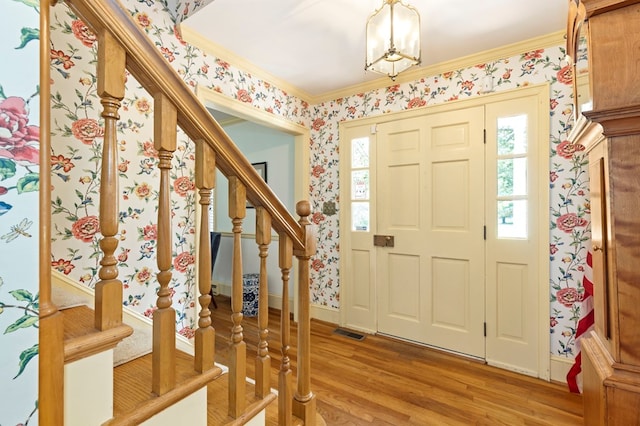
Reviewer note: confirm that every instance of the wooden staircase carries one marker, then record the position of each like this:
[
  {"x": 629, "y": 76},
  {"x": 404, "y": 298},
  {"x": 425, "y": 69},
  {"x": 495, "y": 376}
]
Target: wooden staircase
[{"x": 150, "y": 386}]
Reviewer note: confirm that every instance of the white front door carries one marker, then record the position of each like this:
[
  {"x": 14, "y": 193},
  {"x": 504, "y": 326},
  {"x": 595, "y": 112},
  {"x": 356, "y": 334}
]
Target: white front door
[
  {"x": 430, "y": 202},
  {"x": 440, "y": 181}
]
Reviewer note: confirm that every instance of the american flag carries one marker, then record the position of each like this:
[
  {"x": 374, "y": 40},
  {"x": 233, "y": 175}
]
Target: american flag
[{"x": 584, "y": 325}]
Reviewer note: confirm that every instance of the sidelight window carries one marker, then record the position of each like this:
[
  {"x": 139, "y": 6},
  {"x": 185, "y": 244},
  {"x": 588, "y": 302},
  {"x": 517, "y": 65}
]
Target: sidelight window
[
  {"x": 360, "y": 185},
  {"x": 512, "y": 196}
]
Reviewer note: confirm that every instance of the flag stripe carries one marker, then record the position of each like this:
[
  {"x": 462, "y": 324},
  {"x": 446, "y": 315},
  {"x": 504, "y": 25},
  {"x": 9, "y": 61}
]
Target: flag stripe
[{"x": 585, "y": 323}]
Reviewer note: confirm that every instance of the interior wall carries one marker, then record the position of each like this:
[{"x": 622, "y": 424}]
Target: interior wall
[
  {"x": 19, "y": 213},
  {"x": 259, "y": 144}
]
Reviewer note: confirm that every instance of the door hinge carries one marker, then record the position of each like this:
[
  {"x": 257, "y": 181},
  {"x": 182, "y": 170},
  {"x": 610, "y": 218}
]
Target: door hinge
[
  {"x": 485, "y": 329},
  {"x": 485, "y": 232},
  {"x": 485, "y": 136}
]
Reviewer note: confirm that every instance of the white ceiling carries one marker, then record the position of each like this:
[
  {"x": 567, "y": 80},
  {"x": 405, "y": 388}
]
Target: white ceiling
[{"x": 318, "y": 45}]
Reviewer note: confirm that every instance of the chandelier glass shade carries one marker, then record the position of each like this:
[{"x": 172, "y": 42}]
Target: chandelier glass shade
[{"x": 393, "y": 39}]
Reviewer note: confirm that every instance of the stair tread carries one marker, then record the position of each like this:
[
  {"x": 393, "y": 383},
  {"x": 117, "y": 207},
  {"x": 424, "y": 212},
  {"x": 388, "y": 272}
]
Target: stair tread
[
  {"x": 82, "y": 339},
  {"x": 78, "y": 321},
  {"x": 218, "y": 397},
  {"x": 133, "y": 399}
]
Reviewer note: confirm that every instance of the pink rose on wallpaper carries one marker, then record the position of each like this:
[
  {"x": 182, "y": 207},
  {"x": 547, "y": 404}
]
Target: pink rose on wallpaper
[
  {"x": 243, "y": 96},
  {"x": 62, "y": 265},
  {"x": 534, "y": 54},
  {"x": 182, "y": 185},
  {"x": 149, "y": 150},
  {"x": 317, "y": 218},
  {"x": 86, "y": 130},
  {"x": 317, "y": 265},
  {"x": 416, "y": 102},
  {"x": 568, "y": 221},
  {"x": 467, "y": 85},
  {"x": 149, "y": 312},
  {"x": 566, "y": 149},
  {"x": 150, "y": 232},
  {"x": 317, "y": 124},
  {"x": 317, "y": 171},
  {"x": 565, "y": 75},
  {"x": 187, "y": 332},
  {"x": 18, "y": 140},
  {"x": 182, "y": 261},
  {"x": 83, "y": 33},
  {"x": 85, "y": 228},
  {"x": 568, "y": 296}
]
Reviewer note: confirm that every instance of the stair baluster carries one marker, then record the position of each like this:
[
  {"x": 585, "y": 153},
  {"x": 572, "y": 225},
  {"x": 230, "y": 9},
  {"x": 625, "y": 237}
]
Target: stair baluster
[
  {"x": 263, "y": 360},
  {"x": 304, "y": 402},
  {"x": 205, "y": 182},
  {"x": 238, "y": 353},
  {"x": 164, "y": 318},
  {"x": 111, "y": 79},
  {"x": 285, "y": 376}
]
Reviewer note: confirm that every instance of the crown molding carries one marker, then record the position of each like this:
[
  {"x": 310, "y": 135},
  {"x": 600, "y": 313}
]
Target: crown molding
[
  {"x": 196, "y": 39},
  {"x": 506, "y": 51}
]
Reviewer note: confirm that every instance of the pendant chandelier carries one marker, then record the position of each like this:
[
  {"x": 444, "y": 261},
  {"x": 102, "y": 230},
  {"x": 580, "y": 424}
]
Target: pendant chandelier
[{"x": 393, "y": 39}]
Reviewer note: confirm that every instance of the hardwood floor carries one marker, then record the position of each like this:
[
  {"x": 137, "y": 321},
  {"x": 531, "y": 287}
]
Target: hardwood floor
[{"x": 382, "y": 381}]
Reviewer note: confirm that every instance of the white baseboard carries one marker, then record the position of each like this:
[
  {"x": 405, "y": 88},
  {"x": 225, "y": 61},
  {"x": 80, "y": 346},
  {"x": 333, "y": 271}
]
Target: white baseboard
[
  {"x": 325, "y": 314},
  {"x": 129, "y": 316},
  {"x": 559, "y": 369}
]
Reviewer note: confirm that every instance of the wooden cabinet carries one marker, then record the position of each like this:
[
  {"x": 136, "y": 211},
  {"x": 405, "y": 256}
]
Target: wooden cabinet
[{"x": 611, "y": 133}]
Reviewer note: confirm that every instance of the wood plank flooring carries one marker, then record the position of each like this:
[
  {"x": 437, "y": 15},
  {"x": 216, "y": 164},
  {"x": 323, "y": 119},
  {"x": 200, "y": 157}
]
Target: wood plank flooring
[{"x": 383, "y": 381}]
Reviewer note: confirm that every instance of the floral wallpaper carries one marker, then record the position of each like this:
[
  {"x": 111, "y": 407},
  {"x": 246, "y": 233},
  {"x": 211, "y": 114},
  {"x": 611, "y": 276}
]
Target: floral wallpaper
[
  {"x": 181, "y": 9},
  {"x": 19, "y": 184},
  {"x": 78, "y": 132}
]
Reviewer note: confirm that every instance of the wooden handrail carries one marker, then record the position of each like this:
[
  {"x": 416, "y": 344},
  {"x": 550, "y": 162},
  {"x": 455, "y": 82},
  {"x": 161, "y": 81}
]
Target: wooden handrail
[{"x": 152, "y": 71}]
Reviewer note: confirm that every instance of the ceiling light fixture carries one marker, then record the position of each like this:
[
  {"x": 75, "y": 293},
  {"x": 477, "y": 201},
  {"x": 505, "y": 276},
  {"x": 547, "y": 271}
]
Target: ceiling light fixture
[{"x": 393, "y": 38}]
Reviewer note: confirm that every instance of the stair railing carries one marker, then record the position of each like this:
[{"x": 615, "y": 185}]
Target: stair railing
[{"x": 123, "y": 46}]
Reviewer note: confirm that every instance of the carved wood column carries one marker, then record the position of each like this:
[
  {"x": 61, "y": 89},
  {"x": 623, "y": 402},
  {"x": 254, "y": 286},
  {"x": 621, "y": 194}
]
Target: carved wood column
[
  {"x": 285, "y": 383},
  {"x": 111, "y": 86},
  {"x": 238, "y": 355},
  {"x": 263, "y": 360},
  {"x": 164, "y": 318},
  {"x": 304, "y": 403},
  {"x": 205, "y": 182}
]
